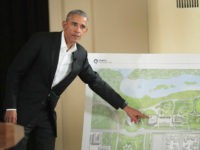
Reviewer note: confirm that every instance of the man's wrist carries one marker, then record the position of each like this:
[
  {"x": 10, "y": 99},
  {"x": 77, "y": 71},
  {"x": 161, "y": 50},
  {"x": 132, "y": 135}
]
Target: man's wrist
[
  {"x": 10, "y": 109},
  {"x": 124, "y": 105}
]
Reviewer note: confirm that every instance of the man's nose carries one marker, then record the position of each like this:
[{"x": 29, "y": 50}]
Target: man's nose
[{"x": 78, "y": 28}]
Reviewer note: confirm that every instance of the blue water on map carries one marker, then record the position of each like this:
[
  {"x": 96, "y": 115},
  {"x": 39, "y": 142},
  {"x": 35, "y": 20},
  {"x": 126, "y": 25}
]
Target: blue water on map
[{"x": 156, "y": 88}]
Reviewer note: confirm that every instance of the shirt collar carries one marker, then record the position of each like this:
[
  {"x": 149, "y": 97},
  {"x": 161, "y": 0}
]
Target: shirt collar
[{"x": 64, "y": 45}]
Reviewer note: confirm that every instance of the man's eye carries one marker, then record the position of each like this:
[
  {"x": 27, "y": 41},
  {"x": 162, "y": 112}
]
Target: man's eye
[
  {"x": 74, "y": 24},
  {"x": 83, "y": 27}
]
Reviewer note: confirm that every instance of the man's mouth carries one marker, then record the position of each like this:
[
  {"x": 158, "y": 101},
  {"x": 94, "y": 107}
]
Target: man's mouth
[{"x": 76, "y": 36}]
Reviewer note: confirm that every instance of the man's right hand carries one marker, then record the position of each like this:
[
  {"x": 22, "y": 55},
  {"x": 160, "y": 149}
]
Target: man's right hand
[{"x": 10, "y": 116}]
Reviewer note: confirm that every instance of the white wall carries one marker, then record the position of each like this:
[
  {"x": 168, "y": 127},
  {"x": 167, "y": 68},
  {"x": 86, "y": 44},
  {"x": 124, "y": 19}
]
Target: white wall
[
  {"x": 172, "y": 29},
  {"x": 120, "y": 26}
]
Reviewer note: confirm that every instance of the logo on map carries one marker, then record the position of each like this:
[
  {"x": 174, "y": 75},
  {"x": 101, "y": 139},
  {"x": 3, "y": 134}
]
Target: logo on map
[{"x": 100, "y": 61}]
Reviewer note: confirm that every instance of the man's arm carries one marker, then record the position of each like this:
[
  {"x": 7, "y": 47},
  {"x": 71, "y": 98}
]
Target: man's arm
[
  {"x": 18, "y": 69},
  {"x": 104, "y": 90},
  {"x": 15, "y": 74}
]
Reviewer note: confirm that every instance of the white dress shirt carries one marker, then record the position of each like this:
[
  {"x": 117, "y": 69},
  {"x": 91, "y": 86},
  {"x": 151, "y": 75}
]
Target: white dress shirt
[{"x": 64, "y": 62}]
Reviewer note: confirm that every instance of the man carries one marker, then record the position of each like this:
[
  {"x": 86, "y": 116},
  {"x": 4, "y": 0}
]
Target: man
[{"x": 42, "y": 70}]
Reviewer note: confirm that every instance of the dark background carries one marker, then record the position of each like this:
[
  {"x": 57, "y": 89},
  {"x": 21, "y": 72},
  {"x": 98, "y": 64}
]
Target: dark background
[{"x": 19, "y": 19}]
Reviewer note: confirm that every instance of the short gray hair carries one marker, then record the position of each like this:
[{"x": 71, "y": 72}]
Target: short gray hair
[{"x": 77, "y": 12}]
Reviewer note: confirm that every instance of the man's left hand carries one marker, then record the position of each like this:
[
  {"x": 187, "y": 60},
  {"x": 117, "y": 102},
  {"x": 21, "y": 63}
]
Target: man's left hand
[{"x": 134, "y": 114}]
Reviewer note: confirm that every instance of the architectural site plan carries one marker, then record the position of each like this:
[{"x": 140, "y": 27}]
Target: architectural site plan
[{"x": 165, "y": 87}]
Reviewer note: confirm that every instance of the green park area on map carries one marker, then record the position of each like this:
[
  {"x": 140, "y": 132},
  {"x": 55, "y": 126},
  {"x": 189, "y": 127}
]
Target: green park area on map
[{"x": 170, "y": 97}]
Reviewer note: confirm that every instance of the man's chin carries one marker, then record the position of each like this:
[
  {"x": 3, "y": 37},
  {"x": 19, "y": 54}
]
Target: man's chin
[{"x": 76, "y": 40}]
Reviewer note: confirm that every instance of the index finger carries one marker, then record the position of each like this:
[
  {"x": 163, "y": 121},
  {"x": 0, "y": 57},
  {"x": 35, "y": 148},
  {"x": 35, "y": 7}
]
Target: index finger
[{"x": 144, "y": 116}]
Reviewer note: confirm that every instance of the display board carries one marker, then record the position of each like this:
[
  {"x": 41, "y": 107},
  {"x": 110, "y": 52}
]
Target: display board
[{"x": 166, "y": 87}]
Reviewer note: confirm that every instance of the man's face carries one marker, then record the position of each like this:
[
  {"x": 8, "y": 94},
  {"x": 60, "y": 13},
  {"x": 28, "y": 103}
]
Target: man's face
[{"x": 74, "y": 28}]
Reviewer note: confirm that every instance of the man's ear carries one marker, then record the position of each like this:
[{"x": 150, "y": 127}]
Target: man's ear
[{"x": 64, "y": 23}]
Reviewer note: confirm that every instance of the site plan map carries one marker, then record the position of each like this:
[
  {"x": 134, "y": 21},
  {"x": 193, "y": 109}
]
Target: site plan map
[{"x": 166, "y": 87}]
